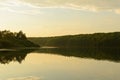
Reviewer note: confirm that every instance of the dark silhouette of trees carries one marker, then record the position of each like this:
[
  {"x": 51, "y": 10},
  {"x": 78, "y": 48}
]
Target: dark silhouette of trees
[
  {"x": 82, "y": 40},
  {"x": 8, "y": 34},
  {"x": 13, "y": 39},
  {"x": 21, "y": 35}
]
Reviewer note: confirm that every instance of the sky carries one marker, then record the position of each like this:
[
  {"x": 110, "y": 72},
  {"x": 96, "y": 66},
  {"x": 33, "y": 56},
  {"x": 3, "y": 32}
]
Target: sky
[{"x": 41, "y": 18}]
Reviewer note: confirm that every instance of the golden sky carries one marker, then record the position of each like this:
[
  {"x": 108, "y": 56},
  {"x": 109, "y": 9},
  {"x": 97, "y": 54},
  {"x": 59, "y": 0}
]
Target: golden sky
[{"x": 59, "y": 17}]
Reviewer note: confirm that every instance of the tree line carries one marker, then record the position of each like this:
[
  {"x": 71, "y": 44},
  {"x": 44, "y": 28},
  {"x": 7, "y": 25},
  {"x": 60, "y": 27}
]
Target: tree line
[
  {"x": 108, "y": 40},
  {"x": 10, "y": 39},
  {"x": 6, "y": 34}
]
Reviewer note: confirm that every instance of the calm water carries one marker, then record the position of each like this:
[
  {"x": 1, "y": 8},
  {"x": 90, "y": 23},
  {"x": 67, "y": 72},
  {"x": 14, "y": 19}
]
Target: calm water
[{"x": 60, "y": 64}]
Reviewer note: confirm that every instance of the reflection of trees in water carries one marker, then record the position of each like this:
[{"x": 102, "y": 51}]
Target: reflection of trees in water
[
  {"x": 109, "y": 54},
  {"x": 7, "y": 56}
]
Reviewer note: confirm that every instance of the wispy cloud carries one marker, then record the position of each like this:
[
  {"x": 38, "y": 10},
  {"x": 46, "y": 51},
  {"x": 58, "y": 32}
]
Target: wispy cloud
[
  {"x": 33, "y": 6},
  {"x": 25, "y": 78},
  {"x": 92, "y": 5},
  {"x": 17, "y": 6}
]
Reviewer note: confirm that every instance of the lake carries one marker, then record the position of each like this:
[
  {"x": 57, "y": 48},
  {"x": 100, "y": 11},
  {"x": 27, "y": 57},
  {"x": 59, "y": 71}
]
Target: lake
[{"x": 60, "y": 64}]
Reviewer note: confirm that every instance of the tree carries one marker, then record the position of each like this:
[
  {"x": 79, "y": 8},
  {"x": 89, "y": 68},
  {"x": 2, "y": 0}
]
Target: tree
[{"x": 21, "y": 35}]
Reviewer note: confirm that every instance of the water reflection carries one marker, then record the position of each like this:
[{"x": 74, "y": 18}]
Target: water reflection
[
  {"x": 94, "y": 53},
  {"x": 19, "y": 55},
  {"x": 109, "y": 54},
  {"x": 25, "y": 78}
]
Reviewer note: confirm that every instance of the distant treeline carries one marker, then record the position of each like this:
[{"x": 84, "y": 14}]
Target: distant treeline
[
  {"x": 83, "y": 40},
  {"x": 14, "y": 39}
]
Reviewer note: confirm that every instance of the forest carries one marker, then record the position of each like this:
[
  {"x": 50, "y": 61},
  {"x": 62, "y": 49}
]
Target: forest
[
  {"x": 97, "y": 40},
  {"x": 14, "y": 40}
]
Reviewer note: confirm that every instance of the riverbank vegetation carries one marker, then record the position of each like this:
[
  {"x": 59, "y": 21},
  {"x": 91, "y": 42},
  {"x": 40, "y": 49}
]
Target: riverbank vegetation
[
  {"x": 14, "y": 39},
  {"x": 107, "y": 40}
]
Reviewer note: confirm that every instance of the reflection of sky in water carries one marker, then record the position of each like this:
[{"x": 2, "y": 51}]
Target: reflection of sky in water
[
  {"x": 55, "y": 67},
  {"x": 25, "y": 78}
]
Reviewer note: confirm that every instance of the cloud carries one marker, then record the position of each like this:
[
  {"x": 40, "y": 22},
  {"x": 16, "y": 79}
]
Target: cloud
[
  {"x": 17, "y": 6},
  {"x": 92, "y": 5},
  {"x": 34, "y": 6},
  {"x": 25, "y": 78}
]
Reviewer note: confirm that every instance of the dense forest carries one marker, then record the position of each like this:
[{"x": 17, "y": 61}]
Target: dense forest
[
  {"x": 14, "y": 39},
  {"x": 108, "y": 40}
]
